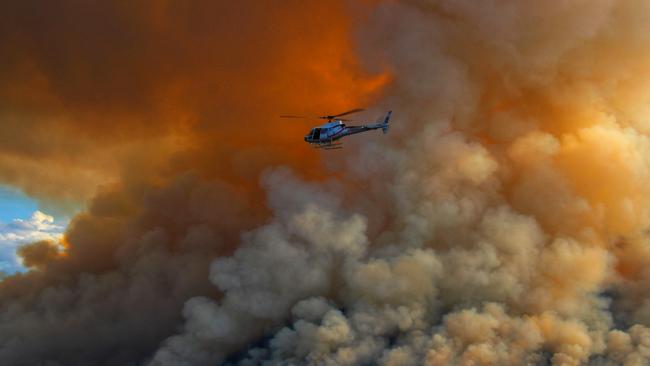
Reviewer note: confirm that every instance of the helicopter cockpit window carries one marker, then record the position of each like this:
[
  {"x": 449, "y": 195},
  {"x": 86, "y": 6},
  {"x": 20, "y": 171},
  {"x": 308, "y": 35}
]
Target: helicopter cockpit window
[{"x": 316, "y": 134}]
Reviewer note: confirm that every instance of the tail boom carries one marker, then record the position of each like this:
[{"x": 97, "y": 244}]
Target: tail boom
[{"x": 380, "y": 124}]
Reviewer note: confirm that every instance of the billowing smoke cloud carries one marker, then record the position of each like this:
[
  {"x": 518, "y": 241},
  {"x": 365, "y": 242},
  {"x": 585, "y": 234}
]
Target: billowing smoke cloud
[{"x": 503, "y": 221}]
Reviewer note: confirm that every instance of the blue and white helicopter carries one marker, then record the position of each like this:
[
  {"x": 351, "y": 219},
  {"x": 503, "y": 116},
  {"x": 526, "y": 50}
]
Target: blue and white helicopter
[{"x": 327, "y": 135}]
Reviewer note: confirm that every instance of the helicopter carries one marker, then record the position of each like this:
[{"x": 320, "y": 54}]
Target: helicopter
[{"x": 326, "y": 136}]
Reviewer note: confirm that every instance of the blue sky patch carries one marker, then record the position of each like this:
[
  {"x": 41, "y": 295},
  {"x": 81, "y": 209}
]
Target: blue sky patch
[
  {"x": 15, "y": 205},
  {"x": 20, "y": 223}
]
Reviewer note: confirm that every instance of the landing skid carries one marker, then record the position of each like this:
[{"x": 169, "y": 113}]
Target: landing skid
[{"x": 329, "y": 146}]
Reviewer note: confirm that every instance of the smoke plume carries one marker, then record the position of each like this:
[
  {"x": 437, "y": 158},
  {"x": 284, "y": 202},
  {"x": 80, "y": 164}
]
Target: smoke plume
[{"x": 502, "y": 221}]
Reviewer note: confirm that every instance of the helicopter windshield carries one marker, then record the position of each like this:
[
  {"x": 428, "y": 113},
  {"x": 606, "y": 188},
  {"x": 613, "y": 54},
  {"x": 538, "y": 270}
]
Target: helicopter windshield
[{"x": 315, "y": 134}]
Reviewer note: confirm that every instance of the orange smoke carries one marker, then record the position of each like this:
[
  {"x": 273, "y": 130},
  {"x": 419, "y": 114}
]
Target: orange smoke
[{"x": 140, "y": 92}]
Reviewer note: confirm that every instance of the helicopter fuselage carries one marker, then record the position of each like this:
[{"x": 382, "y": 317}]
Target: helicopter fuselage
[
  {"x": 334, "y": 130},
  {"x": 330, "y": 131}
]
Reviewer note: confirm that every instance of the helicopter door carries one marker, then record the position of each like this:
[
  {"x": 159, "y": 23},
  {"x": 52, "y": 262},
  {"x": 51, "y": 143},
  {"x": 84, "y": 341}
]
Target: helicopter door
[{"x": 316, "y": 135}]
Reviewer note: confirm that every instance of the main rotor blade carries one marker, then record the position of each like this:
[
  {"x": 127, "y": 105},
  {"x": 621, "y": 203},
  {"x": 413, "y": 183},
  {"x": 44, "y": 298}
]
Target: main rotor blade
[
  {"x": 325, "y": 117},
  {"x": 332, "y": 118},
  {"x": 349, "y": 112}
]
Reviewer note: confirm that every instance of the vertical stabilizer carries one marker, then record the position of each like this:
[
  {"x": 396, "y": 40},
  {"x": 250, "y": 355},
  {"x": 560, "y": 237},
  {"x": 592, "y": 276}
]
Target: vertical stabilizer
[{"x": 385, "y": 125}]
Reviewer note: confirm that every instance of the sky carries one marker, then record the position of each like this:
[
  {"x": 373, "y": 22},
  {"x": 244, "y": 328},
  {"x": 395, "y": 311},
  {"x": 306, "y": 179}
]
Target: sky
[
  {"x": 168, "y": 216},
  {"x": 22, "y": 223},
  {"x": 15, "y": 204}
]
